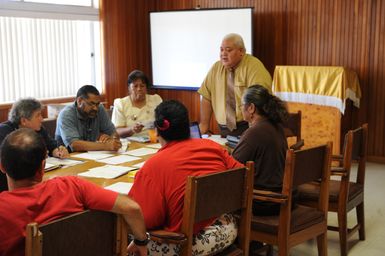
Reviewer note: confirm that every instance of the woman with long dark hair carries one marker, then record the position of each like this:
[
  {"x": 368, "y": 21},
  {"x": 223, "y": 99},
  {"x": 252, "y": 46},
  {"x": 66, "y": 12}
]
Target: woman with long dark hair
[{"x": 264, "y": 142}]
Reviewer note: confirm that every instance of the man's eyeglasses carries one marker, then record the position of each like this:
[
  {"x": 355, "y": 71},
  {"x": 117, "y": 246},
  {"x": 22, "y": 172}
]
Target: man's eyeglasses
[{"x": 91, "y": 104}]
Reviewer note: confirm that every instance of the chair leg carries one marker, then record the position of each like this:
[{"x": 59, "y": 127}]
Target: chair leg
[
  {"x": 322, "y": 244},
  {"x": 361, "y": 220},
  {"x": 283, "y": 249},
  {"x": 343, "y": 232}
]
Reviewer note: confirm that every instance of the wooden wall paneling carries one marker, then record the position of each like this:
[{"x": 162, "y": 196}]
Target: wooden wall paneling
[
  {"x": 286, "y": 32},
  {"x": 125, "y": 30},
  {"x": 339, "y": 23},
  {"x": 204, "y": 4},
  {"x": 174, "y": 5},
  {"x": 114, "y": 28},
  {"x": 268, "y": 44},
  {"x": 376, "y": 93}
]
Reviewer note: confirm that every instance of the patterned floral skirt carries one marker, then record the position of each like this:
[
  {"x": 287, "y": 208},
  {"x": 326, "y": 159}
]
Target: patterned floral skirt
[{"x": 212, "y": 239}]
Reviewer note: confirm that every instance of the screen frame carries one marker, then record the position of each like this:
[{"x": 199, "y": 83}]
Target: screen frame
[{"x": 195, "y": 125}]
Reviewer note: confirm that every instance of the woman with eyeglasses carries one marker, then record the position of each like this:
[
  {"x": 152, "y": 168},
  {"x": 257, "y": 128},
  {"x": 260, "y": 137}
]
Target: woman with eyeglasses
[{"x": 135, "y": 113}]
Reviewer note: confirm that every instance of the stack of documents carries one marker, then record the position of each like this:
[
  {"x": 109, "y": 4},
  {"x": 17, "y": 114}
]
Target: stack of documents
[
  {"x": 53, "y": 163},
  {"x": 141, "y": 152},
  {"x": 120, "y": 187},
  {"x": 107, "y": 171},
  {"x": 141, "y": 139},
  {"x": 118, "y": 159},
  {"x": 50, "y": 167},
  {"x": 139, "y": 165},
  {"x": 93, "y": 155}
]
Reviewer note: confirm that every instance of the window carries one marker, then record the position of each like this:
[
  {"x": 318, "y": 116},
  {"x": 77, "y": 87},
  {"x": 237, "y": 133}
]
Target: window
[{"x": 48, "y": 50}]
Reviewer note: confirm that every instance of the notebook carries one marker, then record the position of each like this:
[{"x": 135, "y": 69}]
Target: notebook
[{"x": 195, "y": 132}]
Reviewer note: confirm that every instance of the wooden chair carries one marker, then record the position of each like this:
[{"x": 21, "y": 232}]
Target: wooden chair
[
  {"x": 84, "y": 233},
  {"x": 293, "y": 129},
  {"x": 50, "y": 126},
  {"x": 296, "y": 225},
  {"x": 344, "y": 194},
  {"x": 212, "y": 195}
]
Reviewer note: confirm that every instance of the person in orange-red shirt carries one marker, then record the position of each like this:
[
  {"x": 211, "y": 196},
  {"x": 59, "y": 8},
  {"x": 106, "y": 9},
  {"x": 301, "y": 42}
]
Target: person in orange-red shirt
[
  {"x": 159, "y": 186},
  {"x": 29, "y": 199}
]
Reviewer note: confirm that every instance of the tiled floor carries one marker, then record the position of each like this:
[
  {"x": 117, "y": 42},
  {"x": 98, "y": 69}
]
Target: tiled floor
[{"x": 374, "y": 245}]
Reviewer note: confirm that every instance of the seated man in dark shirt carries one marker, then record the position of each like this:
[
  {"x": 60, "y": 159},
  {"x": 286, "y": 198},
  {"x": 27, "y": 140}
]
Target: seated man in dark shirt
[{"x": 26, "y": 113}]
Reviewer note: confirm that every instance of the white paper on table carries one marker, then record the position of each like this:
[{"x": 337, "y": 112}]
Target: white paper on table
[
  {"x": 59, "y": 161},
  {"x": 93, "y": 155},
  {"x": 118, "y": 159},
  {"x": 107, "y": 171},
  {"x": 125, "y": 144},
  {"x": 141, "y": 139},
  {"x": 120, "y": 187},
  {"x": 218, "y": 139},
  {"x": 120, "y": 151},
  {"x": 157, "y": 146},
  {"x": 141, "y": 151},
  {"x": 48, "y": 165},
  {"x": 138, "y": 165}
]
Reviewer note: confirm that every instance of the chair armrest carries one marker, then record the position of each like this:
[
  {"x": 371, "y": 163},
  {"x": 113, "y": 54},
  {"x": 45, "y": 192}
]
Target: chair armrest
[
  {"x": 337, "y": 160},
  {"x": 337, "y": 157},
  {"x": 269, "y": 196},
  {"x": 298, "y": 145},
  {"x": 164, "y": 236},
  {"x": 338, "y": 171}
]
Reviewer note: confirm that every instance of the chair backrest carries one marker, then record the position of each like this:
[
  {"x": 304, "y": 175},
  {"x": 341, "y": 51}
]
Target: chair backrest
[
  {"x": 307, "y": 165},
  {"x": 50, "y": 125},
  {"x": 293, "y": 125},
  {"x": 355, "y": 149},
  {"x": 215, "y": 194},
  {"x": 292, "y": 128},
  {"x": 83, "y": 233}
]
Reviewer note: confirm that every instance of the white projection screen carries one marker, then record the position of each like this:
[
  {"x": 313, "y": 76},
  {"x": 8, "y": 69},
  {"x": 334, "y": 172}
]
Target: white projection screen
[{"x": 185, "y": 44}]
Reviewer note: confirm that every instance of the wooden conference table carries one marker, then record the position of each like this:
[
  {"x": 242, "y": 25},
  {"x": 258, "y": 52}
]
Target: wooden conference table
[{"x": 87, "y": 164}]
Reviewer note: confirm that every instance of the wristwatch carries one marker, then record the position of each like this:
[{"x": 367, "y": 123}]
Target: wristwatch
[{"x": 144, "y": 241}]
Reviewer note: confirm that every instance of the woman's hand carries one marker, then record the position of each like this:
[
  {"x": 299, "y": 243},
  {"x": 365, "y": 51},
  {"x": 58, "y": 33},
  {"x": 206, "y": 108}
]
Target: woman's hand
[{"x": 138, "y": 127}]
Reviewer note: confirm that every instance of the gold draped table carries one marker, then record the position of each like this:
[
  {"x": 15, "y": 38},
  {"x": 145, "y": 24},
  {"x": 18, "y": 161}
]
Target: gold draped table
[{"x": 320, "y": 92}]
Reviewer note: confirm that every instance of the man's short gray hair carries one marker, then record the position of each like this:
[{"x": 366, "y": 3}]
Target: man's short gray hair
[
  {"x": 237, "y": 39},
  {"x": 23, "y": 108}
]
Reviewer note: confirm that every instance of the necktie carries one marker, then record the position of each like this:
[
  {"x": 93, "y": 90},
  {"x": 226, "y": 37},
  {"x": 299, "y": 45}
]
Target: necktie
[{"x": 230, "y": 102}]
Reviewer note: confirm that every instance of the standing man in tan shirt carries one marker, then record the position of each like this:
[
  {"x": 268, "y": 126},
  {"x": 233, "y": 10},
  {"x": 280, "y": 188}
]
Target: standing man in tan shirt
[{"x": 225, "y": 83}]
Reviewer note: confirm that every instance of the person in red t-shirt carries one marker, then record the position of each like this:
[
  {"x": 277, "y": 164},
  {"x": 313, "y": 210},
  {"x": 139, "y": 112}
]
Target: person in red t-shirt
[
  {"x": 159, "y": 186},
  {"x": 29, "y": 199}
]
